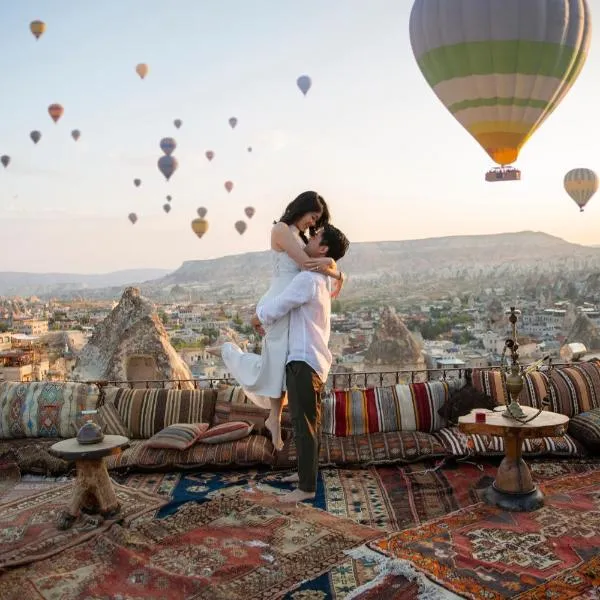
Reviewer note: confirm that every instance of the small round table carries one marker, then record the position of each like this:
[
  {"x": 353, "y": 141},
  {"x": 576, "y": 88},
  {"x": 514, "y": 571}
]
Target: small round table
[
  {"x": 513, "y": 488},
  {"x": 93, "y": 492}
]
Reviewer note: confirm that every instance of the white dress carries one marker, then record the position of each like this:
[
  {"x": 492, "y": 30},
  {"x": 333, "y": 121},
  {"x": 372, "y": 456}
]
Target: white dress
[{"x": 263, "y": 375}]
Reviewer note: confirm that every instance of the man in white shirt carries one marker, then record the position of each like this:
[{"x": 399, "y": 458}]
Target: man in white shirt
[{"x": 307, "y": 298}]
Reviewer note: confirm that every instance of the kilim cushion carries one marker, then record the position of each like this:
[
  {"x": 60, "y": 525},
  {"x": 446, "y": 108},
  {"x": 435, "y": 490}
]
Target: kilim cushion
[
  {"x": 585, "y": 427},
  {"x": 252, "y": 450},
  {"x": 575, "y": 389},
  {"x": 233, "y": 406},
  {"x": 178, "y": 436},
  {"x": 109, "y": 419},
  {"x": 372, "y": 449},
  {"x": 226, "y": 432},
  {"x": 146, "y": 412},
  {"x": 458, "y": 443},
  {"x": 44, "y": 409},
  {"x": 402, "y": 407}
]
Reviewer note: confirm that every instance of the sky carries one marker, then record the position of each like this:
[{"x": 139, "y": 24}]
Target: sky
[{"x": 370, "y": 136}]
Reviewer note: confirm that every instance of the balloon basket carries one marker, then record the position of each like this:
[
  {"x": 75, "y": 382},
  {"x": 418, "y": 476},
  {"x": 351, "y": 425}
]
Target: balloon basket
[{"x": 503, "y": 174}]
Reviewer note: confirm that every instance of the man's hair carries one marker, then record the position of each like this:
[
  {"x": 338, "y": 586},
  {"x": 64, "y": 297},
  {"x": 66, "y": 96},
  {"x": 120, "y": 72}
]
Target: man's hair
[{"x": 336, "y": 242}]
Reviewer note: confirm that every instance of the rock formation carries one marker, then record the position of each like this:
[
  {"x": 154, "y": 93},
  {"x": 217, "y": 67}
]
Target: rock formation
[
  {"x": 585, "y": 332},
  {"x": 393, "y": 345},
  {"x": 131, "y": 344}
]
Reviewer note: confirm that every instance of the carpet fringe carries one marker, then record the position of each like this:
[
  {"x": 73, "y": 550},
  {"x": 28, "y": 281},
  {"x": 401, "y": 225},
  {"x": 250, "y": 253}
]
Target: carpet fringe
[{"x": 428, "y": 590}]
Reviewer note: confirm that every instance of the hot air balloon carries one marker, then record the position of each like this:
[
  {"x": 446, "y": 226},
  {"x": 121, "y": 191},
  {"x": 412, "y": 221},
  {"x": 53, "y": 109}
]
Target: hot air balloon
[
  {"x": 202, "y": 212},
  {"x": 142, "y": 70},
  {"x": 209, "y": 154},
  {"x": 581, "y": 185},
  {"x": 36, "y": 136},
  {"x": 132, "y": 217},
  {"x": 56, "y": 112},
  {"x": 233, "y": 122},
  {"x": 304, "y": 82},
  {"x": 5, "y": 160},
  {"x": 499, "y": 67},
  {"x": 169, "y": 198},
  {"x": 249, "y": 148},
  {"x": 37, "y": 28},
  {"x": 178, "y": 123},
  {"x": 167, "y": 165},
  {"x": 75, "y": 134},
  {"x": 167, "y": 208},
  {"x": 137, "y": 182},
  {"x": 168, "y": 145},
  {"x": 229, "y": 185},
  {"x": 240, "y": 226},
  {"x": 249, "y": 210},
  {"x": 200, "y": 226}
]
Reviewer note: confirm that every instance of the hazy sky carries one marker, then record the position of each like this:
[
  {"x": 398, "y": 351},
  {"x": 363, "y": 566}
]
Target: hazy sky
[{"x": 370, "y": 136}]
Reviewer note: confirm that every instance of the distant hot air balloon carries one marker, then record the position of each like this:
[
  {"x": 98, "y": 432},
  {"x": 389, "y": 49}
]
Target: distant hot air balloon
[
  {"x": 200, "y": 226},
  {"x": 5, "y": 160},
  {"x": 229, "y": 185},
  {"x": 37, "y": 28},
  {"x": 240, "y": 226},
  {"x": 581, "y": 185},
  {"x": 75, "y": 134},
  {"x": 169, "y": 198},
  {"x": 142, "y": 70},
  {"x": 167, "y": 165},
  {"x": 249, "y": 148},
  {"x": 137, "y": 182},
  {"x": 233, "y": 122},
  {"x": 168, "y": 145},
  {"x": 249, "y": 210},
  {"x": 209, "y": 154},
  {"x": 56, "y": 112},
  {"x": 202, "y": 212},
  {"x": 304, "y": 82},
  {"x": 132, "y": 217},
  {"x": 36, "y": 136},
  {"x": 167, "y": 208},
  {"x": 499, "y": 67},
  {"x": 178, "y": 123}
]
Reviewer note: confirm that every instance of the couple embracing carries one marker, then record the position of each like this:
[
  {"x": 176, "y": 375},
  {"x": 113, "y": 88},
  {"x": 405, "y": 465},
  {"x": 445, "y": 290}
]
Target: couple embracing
[{"x": 294, "y": 317}]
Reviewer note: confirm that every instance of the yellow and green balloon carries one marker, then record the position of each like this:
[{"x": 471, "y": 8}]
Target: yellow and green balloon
[{"x": 581, "y": 185}]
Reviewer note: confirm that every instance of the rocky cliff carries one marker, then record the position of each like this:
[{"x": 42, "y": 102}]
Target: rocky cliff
[
  {"x": 131, "y": 344},
  {"x": 585, "y": 332}
]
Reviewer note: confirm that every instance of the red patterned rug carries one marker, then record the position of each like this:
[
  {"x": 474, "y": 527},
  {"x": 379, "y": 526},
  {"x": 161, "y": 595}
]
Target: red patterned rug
[
  {"x": 246, "y": 545},
  {"x": 28, "y": 529},
  {"x": 485, "y": 552}
]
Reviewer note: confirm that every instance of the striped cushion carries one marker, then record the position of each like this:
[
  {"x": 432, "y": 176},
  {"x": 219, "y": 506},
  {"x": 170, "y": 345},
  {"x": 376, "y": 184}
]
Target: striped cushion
[
  {"x": 462, "y": 444},
  {"x": 402, "y": 407},
  {"x": 179, "y": 436},
  {"x": 109, "y": 419},
  {"x": 227, "y": 432},
  {"x": 575, "y": 389},
  {"x": 585, "y": 427},
  {"x": 44, "y": 409},
  {"x": 146, "y": 412},
  {"x": 233, "y": 406}
]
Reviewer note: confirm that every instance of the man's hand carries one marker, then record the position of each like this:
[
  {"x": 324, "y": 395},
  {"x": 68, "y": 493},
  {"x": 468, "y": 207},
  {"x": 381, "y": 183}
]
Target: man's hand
[{"x": 257, "y": 325}]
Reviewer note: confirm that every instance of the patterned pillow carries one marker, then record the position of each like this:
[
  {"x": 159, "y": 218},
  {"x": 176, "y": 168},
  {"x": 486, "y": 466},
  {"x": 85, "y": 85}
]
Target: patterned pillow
[
  {"x": 402, "y": 407},
  {"x": 179, "y": 436},
  {"x": 585, "y": 427},
  {"x": 227, "y": 432},
  {"x": 109, "y": 419},
  {"x": 233, "y": 406}
]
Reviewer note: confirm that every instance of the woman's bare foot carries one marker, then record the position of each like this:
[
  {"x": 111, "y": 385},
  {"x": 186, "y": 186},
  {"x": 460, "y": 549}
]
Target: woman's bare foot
[
  {"x": 274, "y": 426},
  {"x": 293, "y": 478},
  {"x": 296, "y": 496}
]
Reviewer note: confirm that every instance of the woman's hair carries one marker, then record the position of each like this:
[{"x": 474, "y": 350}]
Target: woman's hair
[{"x": 304, "y": 203}]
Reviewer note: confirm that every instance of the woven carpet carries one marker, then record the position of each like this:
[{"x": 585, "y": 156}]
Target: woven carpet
[
  {"x": 485, "y": 552},
  {"x": 244, "y": 545},
  {"x": 28, "y": 530}
]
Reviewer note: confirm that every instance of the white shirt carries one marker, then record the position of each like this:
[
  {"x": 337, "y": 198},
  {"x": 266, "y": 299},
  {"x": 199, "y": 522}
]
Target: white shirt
[{"x": 308, "y": 301}]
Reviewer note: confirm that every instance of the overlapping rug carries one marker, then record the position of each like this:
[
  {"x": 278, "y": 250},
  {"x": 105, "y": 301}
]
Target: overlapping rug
[
  {"x": 485, "y": 552},
  {"x": 244, "y": 545},
  {"x": 28, "y": 525}
]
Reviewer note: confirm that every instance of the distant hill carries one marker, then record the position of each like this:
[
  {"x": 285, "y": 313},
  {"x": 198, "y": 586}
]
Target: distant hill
[
  {"x": 26, "y": 284},
  {"x": 383, "y": 270}
]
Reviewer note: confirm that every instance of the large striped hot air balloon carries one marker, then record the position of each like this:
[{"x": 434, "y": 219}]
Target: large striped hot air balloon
[
  {"x": 581, "y": 185},
  {"x": 500, "y": 66}
]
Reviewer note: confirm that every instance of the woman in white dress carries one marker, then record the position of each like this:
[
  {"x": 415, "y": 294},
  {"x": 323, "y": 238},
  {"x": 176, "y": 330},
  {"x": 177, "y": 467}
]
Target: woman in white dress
[{"x": 263, "y": 376}]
